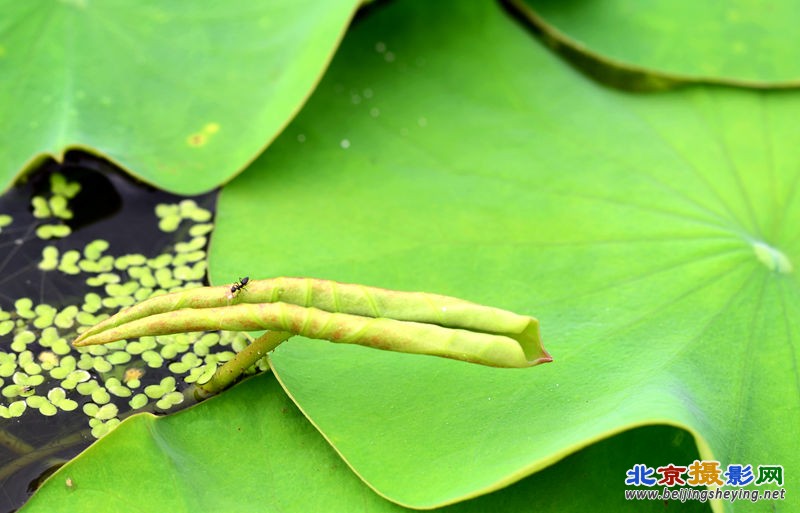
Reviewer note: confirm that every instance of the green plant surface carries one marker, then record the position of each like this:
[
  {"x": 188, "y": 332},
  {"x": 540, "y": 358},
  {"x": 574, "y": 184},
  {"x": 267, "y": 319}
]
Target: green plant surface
[
  {"x": 183, "y": 95},
  {"x": 410, "y": 322},
  {"x": 651, "y": 235},
  {"x": 191, "y": 462},
  {"x": 169, "y": 464},
  {"x": 741, "y": 42}
]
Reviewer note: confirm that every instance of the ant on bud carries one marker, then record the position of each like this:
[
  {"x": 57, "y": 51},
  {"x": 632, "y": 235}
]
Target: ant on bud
[{"x": 239, "y": 285}]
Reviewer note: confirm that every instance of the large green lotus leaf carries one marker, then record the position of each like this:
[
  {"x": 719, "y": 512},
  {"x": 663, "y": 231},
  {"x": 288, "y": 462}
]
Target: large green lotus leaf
[
  {"x": 182, "y": 94},
  {"x": 653, "y": 236},
  {"x": 215, "y": 457},
  {"x": 742, "y": 41},
  {"x": 201, "y": 460}
]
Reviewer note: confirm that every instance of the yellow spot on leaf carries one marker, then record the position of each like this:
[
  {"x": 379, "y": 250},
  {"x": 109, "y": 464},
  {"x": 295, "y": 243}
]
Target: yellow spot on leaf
[
  {"x": 196, "y": 139},
  {"x": 202, "y": 137}
]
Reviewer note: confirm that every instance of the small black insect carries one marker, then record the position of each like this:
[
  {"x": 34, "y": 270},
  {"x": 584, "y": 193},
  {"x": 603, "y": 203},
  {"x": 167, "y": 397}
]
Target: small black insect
[{"x": 239, "y": 285}]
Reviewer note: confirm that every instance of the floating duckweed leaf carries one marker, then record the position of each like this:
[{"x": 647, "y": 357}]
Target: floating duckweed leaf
[
  {"x": 48, "y": 359},
  {"x": 152, "y": 359},
  {"x": 61, "y": 347},
  {"x": 17, "y": 408},
  {"x": 49, "y": 260},
  {"x": 101, "y": 396},
  {"x": 41, "y": 209},
  {"x": 61, "y": 186},
  {"x": 48, "y": 409},
  {"x": 35, "y": 401},
  {"x": 95, "y": 249},
  {"x": 119, "y": 358},
  {"x": 23, "y": 307},
  {"x": 31, "y": 368},
  {"x": 56, "y": 395},
  {"x": 45, "y": 314},
  {"x": 12, "y": 391},
  {"x": 102, "y": 279},
  {"x": 107, "y": 411},
  {"x": 66, "y": 317},
  {"x": 138, "y": 401},
  {"x": 101, "y": 429},
  {"x": 154, "y": 391},
  {"x": 169, "y": 400},
  {"x": 160, "y": 262},
  {"x": 69, "y": 261},
  {"x": 125, "y": 261},
  {"x": 195, "y": 231},
  {"x": 21, "y": 341},
  {"x": 169, "y": 224},
  {"x": 59, "y": 208},
  {"x": 6, "y": 327},
  {"x": 53, "y": 231},
  {"x": 88, "y": 387}
]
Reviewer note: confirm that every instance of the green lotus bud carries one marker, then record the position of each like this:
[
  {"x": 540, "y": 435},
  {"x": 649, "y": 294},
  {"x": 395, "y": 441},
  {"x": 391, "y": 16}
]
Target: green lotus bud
[{"x": 413, "y": 322}]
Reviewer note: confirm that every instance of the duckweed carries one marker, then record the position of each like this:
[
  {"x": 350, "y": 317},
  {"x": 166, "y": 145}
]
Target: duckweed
[
  {"x": 103, "y": 278},
  {"x": 40, "y": 373},
  {"x": 48, "y": 359},
  {"x": 169, "y": 223},
  {"x": 24, "y": 308},
  {"x": 21, "y": 341},
  {"x": 95, "y": 249},
  {"x": 118, "y": 390},
  {"x": 6, "y": 327},
  {"x": 61, "y": 346},
  {"x": 45, "y": 314},
  {"x": 169, "y": 400},
  {"x": 138, "y": 401},
  {"x": 126, "y": 261},
  {"x": 65, "y": 319},
  {"x": 87, "y": 319},
  {"x": 160, "y": 262},
  {"x": 90, "y": 409},
  {"x": 152, "y": 359},
  {"x": 103, "y": 428},
  {"x": 59, "y": 208},
  {"x": 69, "y": 262},
  {"x": 200, "y": 229},
  {"x": 154, "y": 391},
  {"x": 17, "y": 408},
  {"x": 49, "y": 260},
  {"x": 118, "y": 358},
  {"x": 41, "y": 210},
  {"x": 87, "y": 387},
  {"x": 101, "y": 396},
  {"x": 193, "y": 245},
  {"x": 59, "y": 185}
]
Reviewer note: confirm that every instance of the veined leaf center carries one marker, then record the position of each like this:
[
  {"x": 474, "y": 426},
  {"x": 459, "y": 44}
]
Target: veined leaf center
[{"x": 773, "y": 258}]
